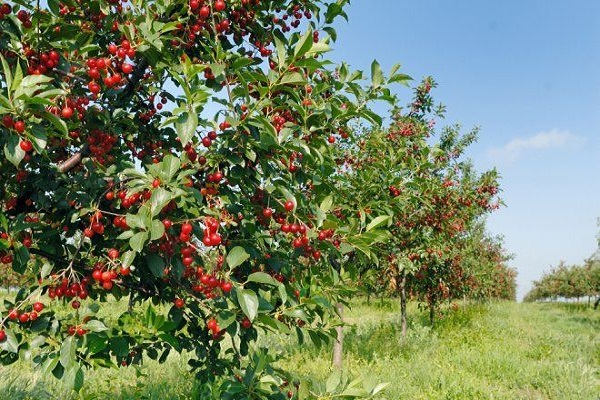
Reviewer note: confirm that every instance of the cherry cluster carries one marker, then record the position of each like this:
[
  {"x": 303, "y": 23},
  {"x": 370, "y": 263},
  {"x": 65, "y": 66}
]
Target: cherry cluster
[{"x": 25, "y": 316}]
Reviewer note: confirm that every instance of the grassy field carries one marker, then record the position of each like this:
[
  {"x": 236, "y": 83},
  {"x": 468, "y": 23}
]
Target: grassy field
[{"x": 495, "y": 351}]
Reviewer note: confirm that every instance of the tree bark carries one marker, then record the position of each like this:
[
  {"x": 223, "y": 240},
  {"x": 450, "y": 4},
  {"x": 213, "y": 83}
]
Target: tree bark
[
  {"x": 403, "y": 303},
  {"x": 338, "y": 355},
  {"x": 432, "y": 312}
]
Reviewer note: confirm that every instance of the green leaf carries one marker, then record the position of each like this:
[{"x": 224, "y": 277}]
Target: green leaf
[
  {"x": 292, "y": 78},
  {"x": 261, "y": 277},
  {"x": 169, "y": 167},
  {"x": 281, "y": 53},
  {"x": 334, "y": 380},
  {"x": 11, "y": 344},
  {"x": 158, "y": 230},
  {"x": 156, "y": 265},
  {"x": 20, "y": 259},
  {"x": 376, "y": 74},
  {"x": 58, "y": 123},
  {"x": 127, "y": 258},
  {"x": 248, "y": 302},
  {"x": 304, "y": 44},
  {"x": 236, "y": 257},
  {"x": 378, "y": 221},
  {"x": 7, "y": 73},
  {"x": 138, "y": 240},
  {"x": 95, "y": 325},
  {"x": 326, "y": 204},
  {"x": 119, "y": 346},
  {"x": 186, "y": 125},
  {"x": 158, "y": 200},
  {"x": 136, "y": 220},
  {"x": 13, "y": 151},
  {"x": 74, "y": 378},
  {"x": 67, "y": 352}
]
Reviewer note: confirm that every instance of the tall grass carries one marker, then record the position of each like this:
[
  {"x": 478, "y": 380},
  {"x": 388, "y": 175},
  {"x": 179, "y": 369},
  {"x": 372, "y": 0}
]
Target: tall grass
[{"x": 480, "y": 351}]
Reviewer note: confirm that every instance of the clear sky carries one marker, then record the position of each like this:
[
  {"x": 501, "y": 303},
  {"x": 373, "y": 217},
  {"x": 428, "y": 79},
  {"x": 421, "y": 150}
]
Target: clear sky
[{"x": 526, "y": 72}]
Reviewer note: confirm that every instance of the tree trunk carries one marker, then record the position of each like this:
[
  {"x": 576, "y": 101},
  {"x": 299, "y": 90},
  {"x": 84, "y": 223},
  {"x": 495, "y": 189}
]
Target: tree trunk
[
  {"x": 596, "y": 303},
  {"x": 403, "y": 303},
  {"x": 432, "y": 312},
  {"x": 339, "y": 341}
]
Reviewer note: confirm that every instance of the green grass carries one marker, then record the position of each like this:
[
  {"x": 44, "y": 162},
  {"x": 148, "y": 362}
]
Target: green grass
[{"x": 495, "y": 351}]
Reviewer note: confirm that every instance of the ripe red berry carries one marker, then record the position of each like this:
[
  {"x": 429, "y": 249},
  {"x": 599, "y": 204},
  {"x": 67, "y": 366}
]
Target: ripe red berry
[
  {"x": 156, "y": 183},
  {"x": 26, "y": 145},
  {"x": 38, "y": 306},
  {"x": 2, "y": 335},
  {"x": 204, "y": 12},
  {"x": 212, "y": 325},
  {"x": 226, "y": 287},
  {"x": 19, "y": 126},
  {"x": 267, "y": 213},
  {"x": 179, "y": 303},
  {"x": 289, "y": 205},
  {"x": 67, "y": 112},
  {"x": 97, "y": 275},
  {"x": 167, "y": 223},
  {"x": 219, "y": 5},
  {"x": 75, "y": 304},
  {"x": 113, "y": 253},
  {"x": 186, "y": 228},
  {"x": 127, "y": 68}
]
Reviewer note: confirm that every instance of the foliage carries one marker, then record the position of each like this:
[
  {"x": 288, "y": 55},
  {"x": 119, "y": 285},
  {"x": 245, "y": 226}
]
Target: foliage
[
  {"x": 178, "y": 154},
  {"x": 432, "y": 202},
  {"x": 567, "y": 281}
]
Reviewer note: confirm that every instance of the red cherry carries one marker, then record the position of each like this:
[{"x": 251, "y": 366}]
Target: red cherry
[
  {"x": 2, "y": 335},
  {"x": 267, "y": 212},
  {"x": 19, "y": 126},
  {"x": 125, "y": 271},
  {"x": 97, "y": 275},
  {"x": 246, "y": 323},
  {"x": 179, "y": 303},
  {"x": 212, "y": 325},
  {"x": 167, "y": 223},
  {"x": 226, "y": 287},
  {"x": 219, "y": 5},
  {"x": 26, "y": 145},
  {"x": 67, "y": 112},
  {"x": 127, "y": 68},
  {"x": 106, "y": 276},
  {"x": 38, "y": 307},
  {"x": 75, "y": 304},
  {"x": 156, "y": 183},
  {"x": 186, "y": 228},
  {"x": 113, "y": 254},
  {"x": 204, "y": 12},
  {"x": 215, "y": 239},
  {"x": 289, "y": 205}
]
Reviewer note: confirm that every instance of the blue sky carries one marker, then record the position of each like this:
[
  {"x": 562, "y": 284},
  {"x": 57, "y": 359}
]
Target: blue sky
[{"x": 527, "y": 73}]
